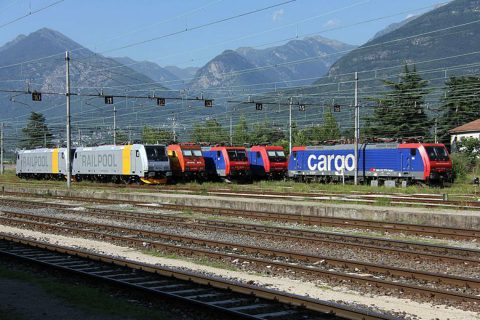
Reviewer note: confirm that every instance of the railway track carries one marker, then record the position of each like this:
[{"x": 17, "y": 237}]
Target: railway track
[
  {"x": 408, "y": 249},
  {"x": 466, "y": 202},
  {"x": 277, "y": 261},
  {"x": 222, "y": 296},
  {"x": 380, "y": 226}
]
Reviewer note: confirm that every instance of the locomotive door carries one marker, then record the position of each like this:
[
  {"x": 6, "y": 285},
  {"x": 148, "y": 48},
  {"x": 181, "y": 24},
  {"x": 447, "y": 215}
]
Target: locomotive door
[
  {"x": 134, "y": 158},
  {"x": 407, "y": 160}
]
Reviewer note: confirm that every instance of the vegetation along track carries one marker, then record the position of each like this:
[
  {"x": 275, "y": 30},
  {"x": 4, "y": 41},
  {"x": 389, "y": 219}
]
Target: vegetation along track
[
  {"x": 381, "y": 226},
  {"x": 431, "y": 286},
  {"x": 223, "y": 296}
]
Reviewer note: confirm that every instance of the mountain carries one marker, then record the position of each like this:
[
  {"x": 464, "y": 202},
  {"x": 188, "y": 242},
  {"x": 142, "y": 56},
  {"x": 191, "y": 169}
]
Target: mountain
[
  {"x": 153, "y": 71},
  {"x": 295, "y": 63},
  {"x": 39, "y": 59},
  {"x": 394, "y": 26},
  {"x": 185, "y": 74},
  {"x": 227, "y": 70},
  {"x": 444, "y": 37}
]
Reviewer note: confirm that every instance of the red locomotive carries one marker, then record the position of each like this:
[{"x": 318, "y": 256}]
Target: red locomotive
[{"x": 186, "y": 161}]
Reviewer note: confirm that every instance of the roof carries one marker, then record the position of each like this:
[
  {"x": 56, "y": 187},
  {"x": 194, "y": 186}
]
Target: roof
[{"x": 473, "y": 126}]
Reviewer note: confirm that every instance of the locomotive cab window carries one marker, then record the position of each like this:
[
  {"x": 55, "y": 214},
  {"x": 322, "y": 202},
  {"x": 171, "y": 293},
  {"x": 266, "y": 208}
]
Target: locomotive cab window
[
  {"x": 137, "y": 153},
  {"x": 75, "y": 156},
  {"x": 187, "y": 153},
  {"x": 413, "y": 152},
  {"x": 156, "y": 153},
  {"x": 295, "y": 155},
  {"x": 63, "y": 155},
  {"x": 237, "y": 155},
  {"x": 258, "y": 154},
  {"x": 197, "y": 153},
  {"x": 218, "y": 155}
]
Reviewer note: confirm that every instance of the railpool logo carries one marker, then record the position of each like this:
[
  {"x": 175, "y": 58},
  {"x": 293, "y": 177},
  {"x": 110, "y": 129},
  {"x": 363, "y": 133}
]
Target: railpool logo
[{"x": 331, "y": 162}]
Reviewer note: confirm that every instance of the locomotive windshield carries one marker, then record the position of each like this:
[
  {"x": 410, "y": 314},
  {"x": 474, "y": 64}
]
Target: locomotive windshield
[
  {"x": 276, "y": 156},
  {"x": 237, "y": 155},
  {"x": 437, "y": 153},
  {"x": 156, "y": 153},
  {"x": 190, "y": 153}
]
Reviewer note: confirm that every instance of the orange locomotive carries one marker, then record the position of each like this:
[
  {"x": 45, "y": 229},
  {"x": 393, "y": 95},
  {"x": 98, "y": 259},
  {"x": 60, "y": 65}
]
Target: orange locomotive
[{"x": 186, "y": 161}]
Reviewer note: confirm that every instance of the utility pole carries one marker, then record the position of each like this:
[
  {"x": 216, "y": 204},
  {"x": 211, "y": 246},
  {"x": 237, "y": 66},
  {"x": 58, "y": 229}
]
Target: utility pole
[
  {"x": 114, "y": 125},
  {"x": 1, "y": 148},
  {"x": 356, "y": 129},
  {"x": 173, "y": 127},
  {"x": 231, "y": 130},
  {"x": 290, "y": 126},
  {"x": 67, "y": 94}
]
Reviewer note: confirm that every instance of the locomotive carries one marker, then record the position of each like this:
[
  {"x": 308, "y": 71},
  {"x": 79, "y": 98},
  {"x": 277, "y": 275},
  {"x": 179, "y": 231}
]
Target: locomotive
[
  {"x": 267, "y": 162},
  {"x": 42, "y": 163},
  {"x": 226, "y": 163},
  {"x": 410, "y": 162},
  {"x": 186, "y": 161},
  {"x": 134, "y": 163}
]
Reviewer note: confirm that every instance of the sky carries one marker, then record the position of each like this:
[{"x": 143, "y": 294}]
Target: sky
[{"x": 192, "y": 32}]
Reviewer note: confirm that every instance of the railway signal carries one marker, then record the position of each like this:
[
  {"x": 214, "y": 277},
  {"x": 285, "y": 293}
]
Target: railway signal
[
  {"x": 36, "y": 96},
  {"x": 258, "y": 106},
  {"x": 301, "y": 107},
  {"x": 336, "y": 108},
  {"x": 208, "y": 103},
  {"x": 108, "y": 99},
  {"x": 161, "y": 102}
]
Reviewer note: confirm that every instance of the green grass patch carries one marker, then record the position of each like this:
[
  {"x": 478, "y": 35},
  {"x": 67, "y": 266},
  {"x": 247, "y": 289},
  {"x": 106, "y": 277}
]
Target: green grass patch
[
  {"x": 201, "y": 261},
  {"x": 83, "y": 296}
]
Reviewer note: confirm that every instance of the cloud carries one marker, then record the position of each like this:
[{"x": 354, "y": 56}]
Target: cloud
[
  {"x": 277, "y": 15},
  {"x": 332, "y": 23}
]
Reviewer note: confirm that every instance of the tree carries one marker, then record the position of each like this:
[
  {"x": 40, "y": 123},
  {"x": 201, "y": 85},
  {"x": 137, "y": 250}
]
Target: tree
[
  {"x": 460, "y": 105},
  {"x": 36, "y": 133},
  {"x": 240, "y": 134},
  {"x": 400, "y": 112},
  {"x": 329, "y": 130},
  {"x": 211, "y": 132},
  {"x": 265, "y": 133},
  {"x": 152, "y": 135},
  {"x": 121, "y": 137}
]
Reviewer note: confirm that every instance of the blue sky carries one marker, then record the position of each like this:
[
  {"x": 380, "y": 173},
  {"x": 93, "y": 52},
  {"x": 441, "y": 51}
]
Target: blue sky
[{"x": 107, "y": 25}]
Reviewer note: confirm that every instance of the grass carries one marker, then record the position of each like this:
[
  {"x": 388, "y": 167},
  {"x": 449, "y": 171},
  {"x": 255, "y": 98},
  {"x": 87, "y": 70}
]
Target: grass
[
  {"x": 460, "y": 187},
  {"x": 83, "y": 296},
  {"x": 200, "y": 261},
  {"x": 7, "y": 314}
]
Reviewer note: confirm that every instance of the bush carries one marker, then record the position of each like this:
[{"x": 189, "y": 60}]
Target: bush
[{"x": 461, "y": 165}]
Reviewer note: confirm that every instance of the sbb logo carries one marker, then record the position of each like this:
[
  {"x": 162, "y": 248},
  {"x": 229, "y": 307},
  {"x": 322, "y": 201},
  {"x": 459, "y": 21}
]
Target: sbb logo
[{"x": 327, "y": 162}]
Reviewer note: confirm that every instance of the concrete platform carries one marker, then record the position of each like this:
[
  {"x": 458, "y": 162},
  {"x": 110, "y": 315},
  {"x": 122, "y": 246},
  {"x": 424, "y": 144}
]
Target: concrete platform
[{"x": 468, "y": 219}]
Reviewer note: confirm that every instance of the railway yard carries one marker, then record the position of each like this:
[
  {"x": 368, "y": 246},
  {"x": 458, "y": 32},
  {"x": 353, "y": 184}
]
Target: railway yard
[{"x": 256, "y": 254}]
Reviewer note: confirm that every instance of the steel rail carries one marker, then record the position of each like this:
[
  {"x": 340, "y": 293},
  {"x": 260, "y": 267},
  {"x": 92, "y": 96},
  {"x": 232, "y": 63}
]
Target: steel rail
[
  {"x": 460, "y": 282},
  {"x": 405, "y": 228},
  {"x": 168, "y": 282},
  {"x": 432, "y": 252}
]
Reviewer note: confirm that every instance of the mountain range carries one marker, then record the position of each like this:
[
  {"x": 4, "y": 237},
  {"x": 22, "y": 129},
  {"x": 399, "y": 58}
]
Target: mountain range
[
  {"x": 444, "y": 41},
  {"x": 296, "y": 63}
]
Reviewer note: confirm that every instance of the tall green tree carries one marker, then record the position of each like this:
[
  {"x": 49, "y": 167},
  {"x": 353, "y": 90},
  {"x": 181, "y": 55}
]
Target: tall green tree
[
  {"x": 210, "y": 132},
  {"x": 400, "y": 112},
  {"x": 266, "y": 133},
  {"x": 151, "y": 135},
  {"x": 460, "y": 105},
  {"x": 36, "y": 133},
  {"x": 121, "y": 137},
  {"x": 329, "y": 130},
  {"x": 240, "y": 133}
]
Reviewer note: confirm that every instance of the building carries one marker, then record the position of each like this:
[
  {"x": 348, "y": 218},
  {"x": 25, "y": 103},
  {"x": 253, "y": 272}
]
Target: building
[{"x": 468, "y": 130}]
